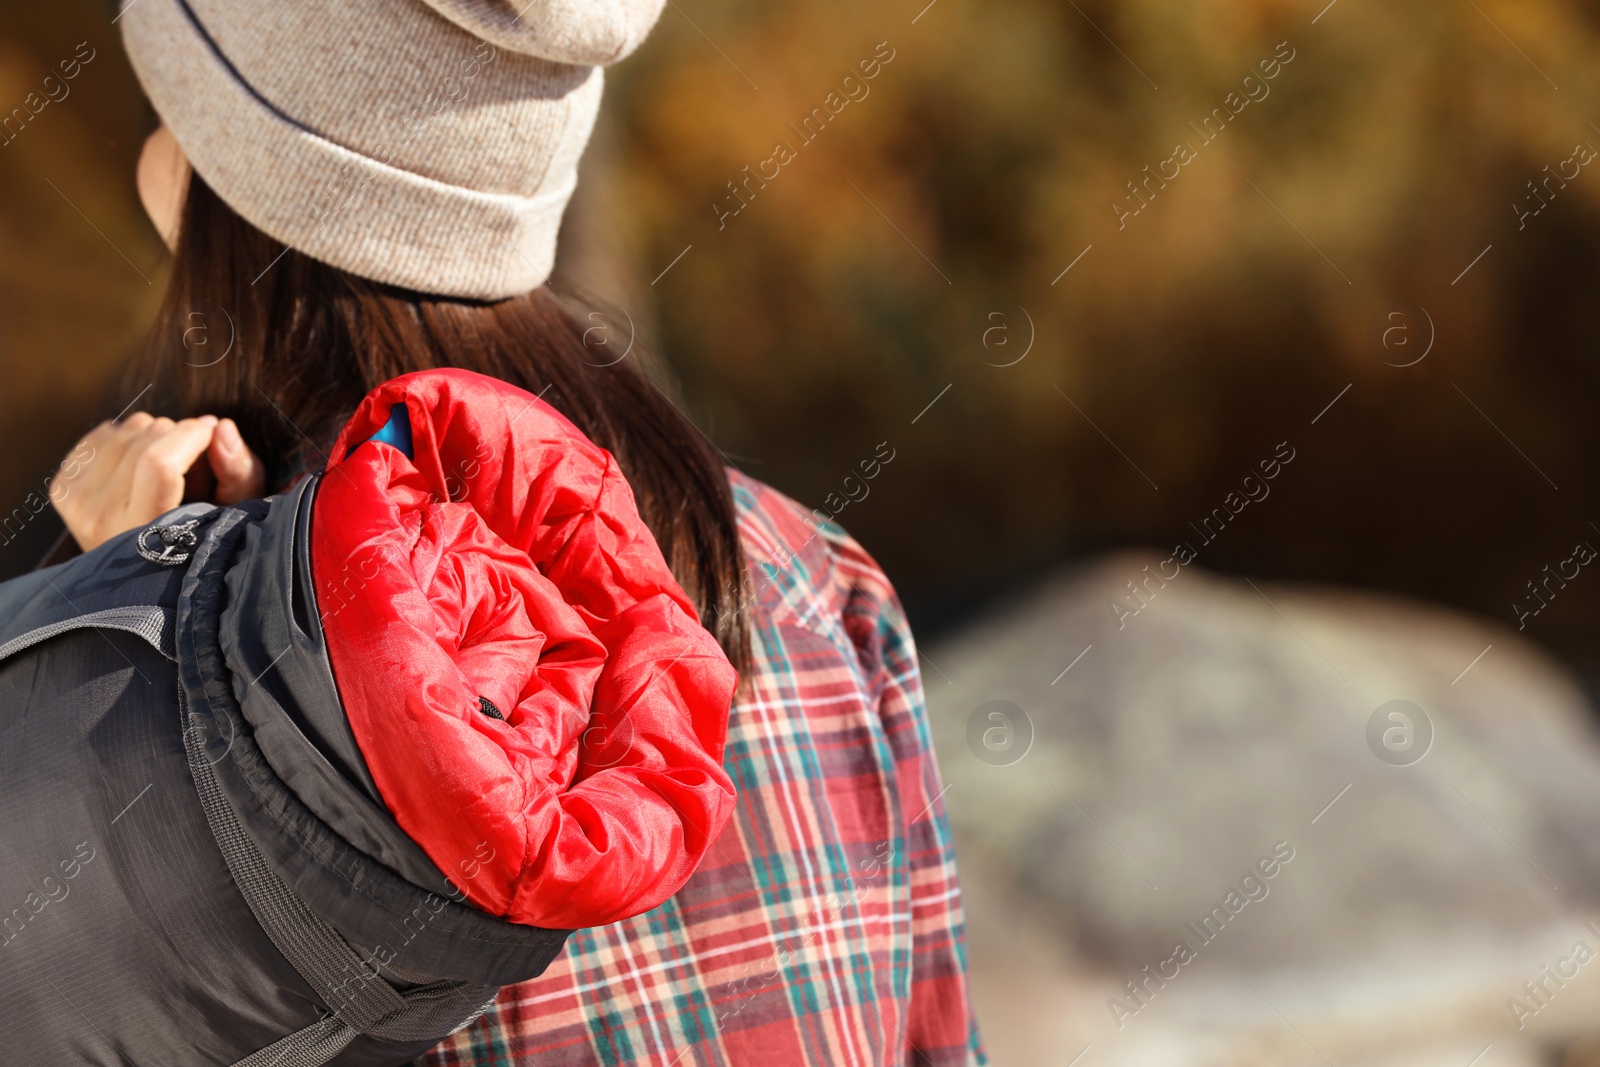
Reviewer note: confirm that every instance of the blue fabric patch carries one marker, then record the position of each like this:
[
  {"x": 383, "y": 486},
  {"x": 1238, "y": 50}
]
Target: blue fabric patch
[{"x": 396, "y": 432}]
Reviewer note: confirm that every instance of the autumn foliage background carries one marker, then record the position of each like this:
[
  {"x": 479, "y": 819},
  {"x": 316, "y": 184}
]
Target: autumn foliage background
[{"x": 907, "y": 255}]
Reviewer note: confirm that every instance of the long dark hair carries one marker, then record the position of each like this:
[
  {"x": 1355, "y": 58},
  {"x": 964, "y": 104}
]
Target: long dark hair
[{"x": 287, "y": 346}]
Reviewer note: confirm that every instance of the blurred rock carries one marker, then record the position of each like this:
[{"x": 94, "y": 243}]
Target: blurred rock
[{"x": 1221, "y": 732}]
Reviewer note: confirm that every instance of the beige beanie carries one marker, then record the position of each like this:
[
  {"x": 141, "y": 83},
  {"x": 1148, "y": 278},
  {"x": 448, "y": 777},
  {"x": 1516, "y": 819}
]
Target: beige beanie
[{"x": 429, "y": 144}]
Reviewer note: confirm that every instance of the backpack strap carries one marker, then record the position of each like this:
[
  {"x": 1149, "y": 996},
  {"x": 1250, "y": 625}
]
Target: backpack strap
[
  {"x": 358, "y": 998},
  {"x": 115, "y": 587},
  {"x": 361, "y": 1000},
  {"x": 311, "y": 1047},
  {"x": 149, "y": 621}
]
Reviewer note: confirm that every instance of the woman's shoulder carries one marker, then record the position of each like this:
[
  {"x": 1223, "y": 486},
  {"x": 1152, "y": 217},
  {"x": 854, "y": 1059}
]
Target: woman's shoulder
[{"x": 809, "y": 571}]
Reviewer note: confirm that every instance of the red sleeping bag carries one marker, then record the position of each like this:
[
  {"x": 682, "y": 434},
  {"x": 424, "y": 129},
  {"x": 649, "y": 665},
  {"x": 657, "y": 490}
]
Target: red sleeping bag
[{"x": 503, "y": 570}]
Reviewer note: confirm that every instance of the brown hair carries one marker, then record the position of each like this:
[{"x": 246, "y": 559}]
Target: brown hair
[{"x": 287, "y": 346}]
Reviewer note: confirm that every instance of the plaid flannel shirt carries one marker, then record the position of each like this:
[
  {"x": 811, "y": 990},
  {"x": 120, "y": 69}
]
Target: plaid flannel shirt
[{"x": 824, "y": 926}]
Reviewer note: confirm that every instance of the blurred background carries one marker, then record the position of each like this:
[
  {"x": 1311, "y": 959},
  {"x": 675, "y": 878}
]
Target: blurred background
[{"x": 1093, "y": 270}]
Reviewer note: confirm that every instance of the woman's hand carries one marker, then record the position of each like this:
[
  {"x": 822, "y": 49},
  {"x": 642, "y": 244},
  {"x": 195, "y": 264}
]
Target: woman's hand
[{"x": 124, "y": 474}]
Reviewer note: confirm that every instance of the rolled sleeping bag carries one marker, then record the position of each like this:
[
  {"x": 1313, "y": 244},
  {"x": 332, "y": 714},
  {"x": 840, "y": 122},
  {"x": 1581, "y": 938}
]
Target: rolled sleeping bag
[{"x": 304, "y": 781}]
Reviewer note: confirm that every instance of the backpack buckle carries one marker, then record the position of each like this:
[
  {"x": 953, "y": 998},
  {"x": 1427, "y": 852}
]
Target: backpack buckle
[{"x": 176, "y": 543}]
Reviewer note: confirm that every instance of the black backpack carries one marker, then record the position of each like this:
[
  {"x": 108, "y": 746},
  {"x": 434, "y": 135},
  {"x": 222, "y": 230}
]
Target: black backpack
[{"x": 195, "y": 866}]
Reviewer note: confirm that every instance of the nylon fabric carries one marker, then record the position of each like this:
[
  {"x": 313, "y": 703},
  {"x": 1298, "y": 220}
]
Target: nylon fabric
[
  {"x": 315, "y": 949},
  {"x": 390, "y": 920},
  {"x": 169, "y": 897},
  {"x": 362, "y": 1002},
  {"x": 507, "y": 561}
]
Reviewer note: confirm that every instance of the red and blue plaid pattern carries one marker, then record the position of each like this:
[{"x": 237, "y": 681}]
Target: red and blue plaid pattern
[{"x": 824, "y": 927}]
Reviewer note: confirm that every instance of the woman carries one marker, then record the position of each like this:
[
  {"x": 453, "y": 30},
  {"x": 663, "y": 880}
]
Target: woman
[{"x": 358, "y": 191}]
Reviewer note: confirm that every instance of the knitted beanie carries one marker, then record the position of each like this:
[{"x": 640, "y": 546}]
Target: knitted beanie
[{"x": 428, "y": 144}]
